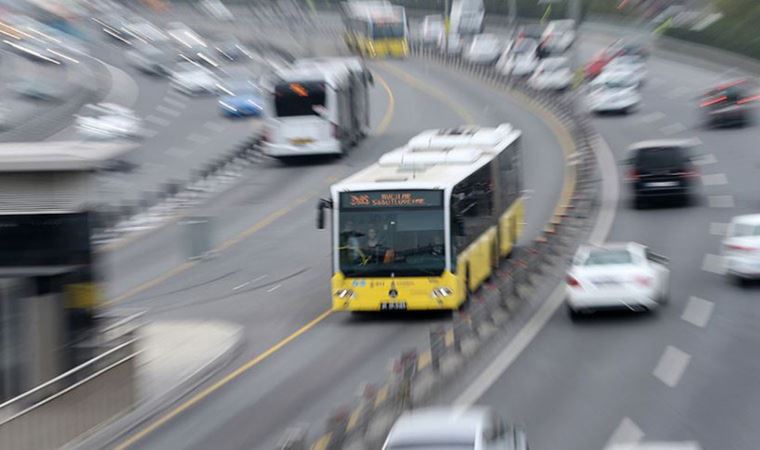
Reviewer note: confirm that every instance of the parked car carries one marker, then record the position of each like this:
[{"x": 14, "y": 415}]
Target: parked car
[
  {"x": 634, "y": 66},
  {"x": 108, "y": 121},
  {"x": 484, "y": 49},
  {"x": 558, "y": 36},
  {"x": 626, "y": 276},
  {"x": 520, "y": 59},
  {"x": 432, "y": 29},
  {"x": 600, "y": 60},
  {"x": 453, "y": 46},
  {"x": 454, "y": 429},
  {"x": 552, "y": 74},
  {"x": 741, "y": 248},
  {"x": 662, "y": 169}
]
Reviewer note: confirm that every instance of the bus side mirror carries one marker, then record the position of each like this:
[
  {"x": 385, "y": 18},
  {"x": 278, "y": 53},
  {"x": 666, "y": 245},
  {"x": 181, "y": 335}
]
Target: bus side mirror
[{"x": 321, "y": 206}]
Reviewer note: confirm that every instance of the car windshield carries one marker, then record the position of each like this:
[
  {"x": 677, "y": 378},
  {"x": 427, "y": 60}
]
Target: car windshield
[
  {"x": 608, "y": 257},
  {"x": 745, "y": 230},
  {"x": 299, "y": 99},
  {"x": 660, "y": 157},
  {"x": 389, "y": 30}
]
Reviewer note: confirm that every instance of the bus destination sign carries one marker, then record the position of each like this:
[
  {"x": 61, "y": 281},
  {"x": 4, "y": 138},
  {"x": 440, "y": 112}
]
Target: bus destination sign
[{"x": 391, "y": 199}]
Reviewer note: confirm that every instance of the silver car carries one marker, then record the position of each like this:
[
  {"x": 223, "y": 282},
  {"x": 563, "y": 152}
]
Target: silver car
[{"x": 454, "y": 428}]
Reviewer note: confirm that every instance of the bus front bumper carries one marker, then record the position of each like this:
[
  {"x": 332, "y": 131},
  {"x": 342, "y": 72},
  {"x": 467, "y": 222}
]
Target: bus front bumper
[{"x": 400, "y": 294}]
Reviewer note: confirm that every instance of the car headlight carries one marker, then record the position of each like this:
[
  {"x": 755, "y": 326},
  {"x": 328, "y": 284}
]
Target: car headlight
[{"x": 344, "y": 294}]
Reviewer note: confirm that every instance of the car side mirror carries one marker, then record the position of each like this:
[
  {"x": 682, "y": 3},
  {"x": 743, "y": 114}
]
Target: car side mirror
[{"x": 321, "y": 206}]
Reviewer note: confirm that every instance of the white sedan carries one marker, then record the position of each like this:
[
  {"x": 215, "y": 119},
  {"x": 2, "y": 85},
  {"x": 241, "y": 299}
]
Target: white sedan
[
  {"x": 109, "y": 121},
  {"x": 192, "y": 79},
  {"x": 484, "y": 49},
  {"x": 616, "y": 276},
  {"x": 613, "y": 91},
  {"x": 552, "y": 74},
  {"x": 520, "y": 59},
  {"x": 632, "y": 66},
  {"x": 741, "y": 248}
]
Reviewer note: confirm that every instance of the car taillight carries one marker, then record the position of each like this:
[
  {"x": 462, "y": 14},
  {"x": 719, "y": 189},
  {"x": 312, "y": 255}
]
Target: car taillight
[
  {"x": 643, "y": 280},
  {"x": 690, "y": 173},
  {"x": 748, "y": 99},
  {"x": 572, "y": 281},
  {"x": 740, "y": 248},
  {"x": 633, "y": 175},
  {"x": 713, "y": 101}
]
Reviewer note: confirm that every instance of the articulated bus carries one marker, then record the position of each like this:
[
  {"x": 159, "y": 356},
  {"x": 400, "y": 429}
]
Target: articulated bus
[
  {"x": 428, "y": 223},
  {"x": 376, "y": 29}
]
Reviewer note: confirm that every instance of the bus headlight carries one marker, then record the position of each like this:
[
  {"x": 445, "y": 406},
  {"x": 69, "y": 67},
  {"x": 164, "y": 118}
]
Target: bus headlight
[
  {"x": 441, "y": 292},
  {"x": 344, "y": 294}
]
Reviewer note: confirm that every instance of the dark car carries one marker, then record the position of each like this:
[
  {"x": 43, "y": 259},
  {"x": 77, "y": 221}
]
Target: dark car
[
  {"x": 729, "y": 104},
  {"x": 661, "y": 170}
]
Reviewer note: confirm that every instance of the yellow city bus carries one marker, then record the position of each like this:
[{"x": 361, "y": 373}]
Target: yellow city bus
[
  {"x": 376, "y": 29},
  {"x": 428, "y": 223}
]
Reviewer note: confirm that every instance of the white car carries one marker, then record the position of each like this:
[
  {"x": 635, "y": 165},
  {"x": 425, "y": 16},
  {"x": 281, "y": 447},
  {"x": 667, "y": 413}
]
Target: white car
[
  {"x": 109, "y": 121},
  {"x": 616, "y": 276},
  {"x": 453, "y": 47},
  {"x": 432, "y": 29},
  {"x": 631, "y": 66},
  {"x": 192, "y": 79},
  {"x": 453, "y": 429},
  {"x": 613, "y": 91},
  {"x": 552, "y": 74},
  {"x": 741, "y": 248},
  {"x": 558, "y": 36},
  {"x": 484, "y": 49},
  {"x": 521, "y": 59}
]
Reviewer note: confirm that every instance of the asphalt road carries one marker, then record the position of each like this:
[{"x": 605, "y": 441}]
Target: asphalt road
[
  {"x": 688, "y": 372},
  {"x": 275, "y": 278}
]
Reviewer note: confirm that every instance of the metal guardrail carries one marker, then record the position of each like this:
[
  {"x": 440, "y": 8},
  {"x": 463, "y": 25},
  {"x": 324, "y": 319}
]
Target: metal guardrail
[
  {"x": 58, "y": 411},
  {"x": 417, "y": 375}
]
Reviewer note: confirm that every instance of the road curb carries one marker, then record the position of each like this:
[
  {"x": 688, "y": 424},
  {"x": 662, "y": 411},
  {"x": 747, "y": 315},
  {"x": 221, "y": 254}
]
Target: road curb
[{"x": 108, "y": 434}]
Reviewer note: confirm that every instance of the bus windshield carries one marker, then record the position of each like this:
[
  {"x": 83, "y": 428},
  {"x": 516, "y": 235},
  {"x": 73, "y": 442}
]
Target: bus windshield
[
  {"x": 298, "y": 99},
  {"x": 405, "y": 239},
  {"x": 389, "y": 30}
]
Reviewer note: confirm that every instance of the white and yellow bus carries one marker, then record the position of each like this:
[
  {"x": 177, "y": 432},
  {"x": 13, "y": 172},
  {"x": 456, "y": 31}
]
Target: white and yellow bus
[
  {"x": 428, "y": 223},
  {"x": 376, "y": 29}
]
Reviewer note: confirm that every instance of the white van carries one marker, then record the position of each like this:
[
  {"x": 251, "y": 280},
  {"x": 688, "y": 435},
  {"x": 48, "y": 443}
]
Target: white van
[
  {"x": 317, "y": 108},
  {"x": 467, "y": 17}
]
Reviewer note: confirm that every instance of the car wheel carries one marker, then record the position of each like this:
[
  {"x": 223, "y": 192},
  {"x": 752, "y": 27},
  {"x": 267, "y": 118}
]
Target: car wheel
[
  {"x": 739, "y": 281},
  {"x": 574, "y": 314}
]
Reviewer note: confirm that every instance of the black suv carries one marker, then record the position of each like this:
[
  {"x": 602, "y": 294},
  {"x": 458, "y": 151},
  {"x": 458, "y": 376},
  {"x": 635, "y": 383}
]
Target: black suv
[{"x": 661, "y": 169}]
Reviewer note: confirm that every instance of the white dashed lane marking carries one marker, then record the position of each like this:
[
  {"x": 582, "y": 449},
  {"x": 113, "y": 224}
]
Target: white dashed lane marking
[
  {"x": 670, "y": 130},
  {"x": 718, "y": 228},
  {"x": 698, "y": 311},
  {"x": 168, "y": 111},
  {"x": 714, "y": 179},
  {"x": 720, "y": 201},
  {"x": 274, "y": 288},
  {"x": 156, "y": 120},
  {"x": 713, "y": 264},
  {"x": 627, "y": 432},
  {"x": 215, "y": 126},
  {"x": 652, "y": 117},
  {"x": 672, "y": 365},
  {"x": 175, "y": 103},
  {"x": 198, "y": 138},
  {"x": 705, "y": 160}
]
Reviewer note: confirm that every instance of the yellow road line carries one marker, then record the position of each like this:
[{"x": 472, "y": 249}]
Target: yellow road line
[
  {"x": 430, "y": 90},
  {"x": 424, "y": 359},
  {"x": 353, "y": 419},
  {"x": 382, "y": 394},
  {"x": 386, "y": 120},
  {"x": 231, "y": 376},
  {"x": 322, "y": 443}
]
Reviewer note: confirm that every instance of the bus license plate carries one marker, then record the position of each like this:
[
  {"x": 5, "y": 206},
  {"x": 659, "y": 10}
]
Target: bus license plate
[
  {"x": 302, "y": 141},
  {"x": 393, "y": 306}
]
